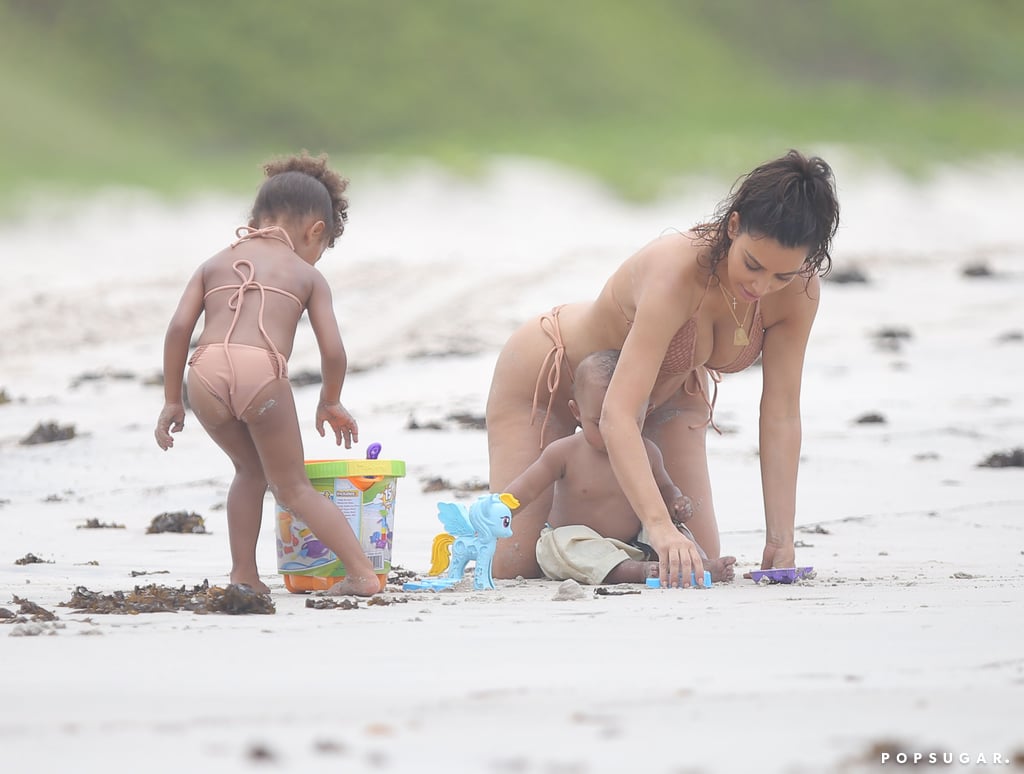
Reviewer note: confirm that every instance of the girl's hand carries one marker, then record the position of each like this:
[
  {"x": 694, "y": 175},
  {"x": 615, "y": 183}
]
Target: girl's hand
[
  {"x": 172, "y": 420},
  {"x": 344, "y": 426}
]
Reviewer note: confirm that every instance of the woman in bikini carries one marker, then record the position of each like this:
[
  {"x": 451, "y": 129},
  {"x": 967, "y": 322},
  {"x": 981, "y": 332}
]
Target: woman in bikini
[
  {"x": 682, "y": 310},
  {"x": 252, "y": 295}
]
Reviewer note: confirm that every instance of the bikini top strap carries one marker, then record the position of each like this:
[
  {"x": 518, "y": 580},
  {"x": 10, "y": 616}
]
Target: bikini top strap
[
  {"x": 245, "y": 233},
  {"x": 707, "y": 286}
]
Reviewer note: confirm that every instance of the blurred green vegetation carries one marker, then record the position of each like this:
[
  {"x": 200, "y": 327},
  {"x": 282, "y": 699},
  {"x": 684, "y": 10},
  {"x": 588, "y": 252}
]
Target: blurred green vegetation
[{"x": 196, "y": 93}]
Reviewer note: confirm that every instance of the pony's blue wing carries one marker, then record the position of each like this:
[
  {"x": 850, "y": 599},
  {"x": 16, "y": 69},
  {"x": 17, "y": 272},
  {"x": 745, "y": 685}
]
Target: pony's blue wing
[{"x": 453, "y": 517}]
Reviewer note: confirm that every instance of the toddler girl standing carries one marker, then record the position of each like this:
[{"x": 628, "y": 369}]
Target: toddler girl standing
[{"x": 252, "y": 295}]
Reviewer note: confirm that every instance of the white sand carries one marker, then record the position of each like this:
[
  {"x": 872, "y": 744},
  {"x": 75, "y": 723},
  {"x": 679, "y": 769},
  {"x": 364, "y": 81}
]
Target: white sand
[{"x": 886, "y": 644}]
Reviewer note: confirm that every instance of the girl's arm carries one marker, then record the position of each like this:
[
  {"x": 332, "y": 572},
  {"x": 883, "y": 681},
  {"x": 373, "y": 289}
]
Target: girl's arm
[
  {"x": 176, "y": 343},
  {"x": 785, "y": 344},
  {"x": 333, "y": 365}
]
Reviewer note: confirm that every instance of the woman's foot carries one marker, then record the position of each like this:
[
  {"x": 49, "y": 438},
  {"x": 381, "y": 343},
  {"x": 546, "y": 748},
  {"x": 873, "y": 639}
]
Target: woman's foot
[{"x": 360, "y": 586}]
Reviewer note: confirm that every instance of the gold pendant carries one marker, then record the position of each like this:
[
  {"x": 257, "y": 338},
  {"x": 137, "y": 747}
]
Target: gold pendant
[{"x": 739, "y": 338}]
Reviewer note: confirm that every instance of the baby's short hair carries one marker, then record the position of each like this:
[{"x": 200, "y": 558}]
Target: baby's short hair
[{"x": 596, "y": 369}]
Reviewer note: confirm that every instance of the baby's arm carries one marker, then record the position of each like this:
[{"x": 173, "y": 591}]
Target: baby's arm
[
  {"x": 536, "y": 479},
  {"x": 680, "y": 507},
  {"x": 333, "y": 364},
  {"x": 176, "y": 343}
]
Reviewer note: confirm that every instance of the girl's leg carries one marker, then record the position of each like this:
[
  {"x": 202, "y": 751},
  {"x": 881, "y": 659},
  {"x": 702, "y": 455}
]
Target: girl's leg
[
  {"x": 274, "y": 427},
  {"x": 514, "y": 444},
  {"x": 245, "y": 497}
]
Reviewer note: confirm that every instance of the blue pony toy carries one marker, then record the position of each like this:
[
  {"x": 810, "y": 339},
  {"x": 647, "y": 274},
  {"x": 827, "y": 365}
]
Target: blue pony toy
[{"x": 472, "y": 534}]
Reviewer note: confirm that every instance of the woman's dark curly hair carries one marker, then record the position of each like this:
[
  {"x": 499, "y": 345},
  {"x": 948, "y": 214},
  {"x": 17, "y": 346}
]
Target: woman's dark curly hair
[
  {"x": 297, "y": 186},
  {"x": 791, "y": 199}
]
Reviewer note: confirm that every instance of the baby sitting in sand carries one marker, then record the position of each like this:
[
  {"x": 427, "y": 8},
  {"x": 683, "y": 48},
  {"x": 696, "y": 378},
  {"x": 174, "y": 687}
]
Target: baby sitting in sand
[{"x": 592, "y": 532}]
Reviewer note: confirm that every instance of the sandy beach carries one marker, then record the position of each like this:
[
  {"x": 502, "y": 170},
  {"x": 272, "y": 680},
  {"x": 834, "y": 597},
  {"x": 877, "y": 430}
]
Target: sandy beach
[{"x": 908, "y": 642}]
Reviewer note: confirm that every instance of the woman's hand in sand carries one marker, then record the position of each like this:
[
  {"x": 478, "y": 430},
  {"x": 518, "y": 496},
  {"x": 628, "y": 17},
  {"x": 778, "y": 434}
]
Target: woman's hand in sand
[
  {"x": 344, "y": 426},
  {"x": 778, "y": 555},
  {"x": 172, "y": 420},
  {"x": 678, "y": 556}
]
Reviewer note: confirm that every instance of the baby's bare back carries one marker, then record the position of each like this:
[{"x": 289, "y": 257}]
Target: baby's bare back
[
  {"x": 276, "y": 268},
  {"x": 588, "y": 494}
]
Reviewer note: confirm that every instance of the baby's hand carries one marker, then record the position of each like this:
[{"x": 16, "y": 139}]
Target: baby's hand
[
  {"x": 682, "y": 509},
  {"x": 344, "y": 426},
  {"x": 172, "y": 420}
]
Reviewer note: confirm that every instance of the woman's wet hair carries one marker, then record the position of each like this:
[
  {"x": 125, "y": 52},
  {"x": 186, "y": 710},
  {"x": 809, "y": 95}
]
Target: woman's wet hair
[
  {"x": 791, "y": 199},
  {"x": 298, "y": 186}
]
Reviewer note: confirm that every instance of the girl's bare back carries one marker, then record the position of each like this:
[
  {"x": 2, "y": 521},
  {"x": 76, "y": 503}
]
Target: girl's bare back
[{"x": 278, "y": 287}]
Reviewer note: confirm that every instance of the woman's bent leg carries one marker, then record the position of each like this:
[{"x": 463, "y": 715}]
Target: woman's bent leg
[{"x": 514, "y": 443}]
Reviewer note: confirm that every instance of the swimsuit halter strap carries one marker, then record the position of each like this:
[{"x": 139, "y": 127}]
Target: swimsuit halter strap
[
  {"x": 245, "y": 233},
  {"x": 707, "y": 287}
]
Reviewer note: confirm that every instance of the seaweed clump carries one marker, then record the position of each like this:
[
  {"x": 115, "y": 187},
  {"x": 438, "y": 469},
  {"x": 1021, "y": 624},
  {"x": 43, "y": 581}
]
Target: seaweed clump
[
  {"x": 27, "y": 611},
  {"x": 177, "y": 521},
  {"x": 31, "y": 558},
  {"x": 1010, "y": 459},
  {"x": 97, "y": 524},
  {"x": 48, "y": 433},
  {"x": 236, "y": 599}
]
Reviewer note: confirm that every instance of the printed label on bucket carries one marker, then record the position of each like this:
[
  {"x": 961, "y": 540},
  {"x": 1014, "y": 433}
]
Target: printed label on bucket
[{"x": 368, "y": 505}]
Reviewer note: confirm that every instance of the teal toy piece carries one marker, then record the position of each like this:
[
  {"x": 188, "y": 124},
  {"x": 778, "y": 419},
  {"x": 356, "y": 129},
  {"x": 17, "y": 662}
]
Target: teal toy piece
[
  {"x": 429, "y": 584},
  {"x": 655, "y": 583},
  {"x": 472, "y": 534}
]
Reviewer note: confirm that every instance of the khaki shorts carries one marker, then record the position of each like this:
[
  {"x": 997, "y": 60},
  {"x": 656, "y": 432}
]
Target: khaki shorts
[{"x": 580, "y": 553}]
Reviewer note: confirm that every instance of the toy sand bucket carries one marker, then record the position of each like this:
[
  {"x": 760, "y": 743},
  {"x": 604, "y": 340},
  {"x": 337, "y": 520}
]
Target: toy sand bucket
[{"x": 364, "y": 493}]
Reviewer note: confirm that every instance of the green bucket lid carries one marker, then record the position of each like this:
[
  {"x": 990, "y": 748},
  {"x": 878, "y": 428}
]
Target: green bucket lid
[{"x": 346, "y": 468}]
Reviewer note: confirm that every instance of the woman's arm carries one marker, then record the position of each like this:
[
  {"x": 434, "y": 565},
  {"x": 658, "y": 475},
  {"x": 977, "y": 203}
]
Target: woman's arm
[
  {"x": 785, "y": 344},
  {"x": 665, "y": 298}
]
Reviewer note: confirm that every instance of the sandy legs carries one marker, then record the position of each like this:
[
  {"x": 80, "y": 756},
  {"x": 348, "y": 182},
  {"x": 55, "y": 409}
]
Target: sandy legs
[{"x": 266, "y": 449}]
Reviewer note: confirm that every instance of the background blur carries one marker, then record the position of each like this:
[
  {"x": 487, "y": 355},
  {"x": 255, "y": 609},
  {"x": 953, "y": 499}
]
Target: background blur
[{"x": 195, "y": 94}]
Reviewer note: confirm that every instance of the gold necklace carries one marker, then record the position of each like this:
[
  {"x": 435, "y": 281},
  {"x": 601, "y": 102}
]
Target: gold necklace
[{"x": 739, "y": 338}]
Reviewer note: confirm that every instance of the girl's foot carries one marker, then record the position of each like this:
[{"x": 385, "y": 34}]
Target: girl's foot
[
  {"x": 360, "y": 586},
  {"x": 252, "y": 581}
]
